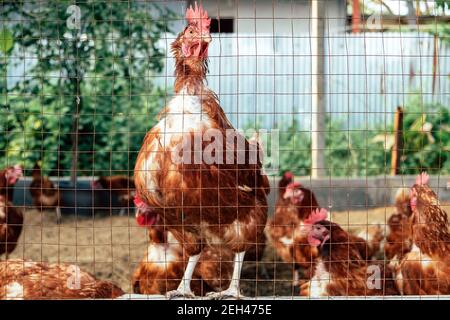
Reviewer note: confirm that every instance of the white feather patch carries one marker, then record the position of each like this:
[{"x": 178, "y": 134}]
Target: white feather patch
[
  {"x": 184, "y": 114},
  {"x": 288, "y": 241},
  {"x": 14, "y": 291},
  {"x": 2, "y": 211},
  {"x": 425, "y": 259},
  {"x": 164, "y": 254},
  {"x": 320, "y": 281}
]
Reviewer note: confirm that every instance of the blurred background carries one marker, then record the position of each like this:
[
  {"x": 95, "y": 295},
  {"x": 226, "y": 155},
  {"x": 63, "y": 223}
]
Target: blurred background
[{"x": 79, "y": 98}]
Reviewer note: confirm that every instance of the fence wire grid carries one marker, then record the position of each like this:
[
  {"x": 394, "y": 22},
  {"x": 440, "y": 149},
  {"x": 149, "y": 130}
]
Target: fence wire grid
[{"x": 345, "y": 104}]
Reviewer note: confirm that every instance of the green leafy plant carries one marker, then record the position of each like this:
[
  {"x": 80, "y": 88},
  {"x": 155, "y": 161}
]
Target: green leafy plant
[
  {"x": 88, "y": 98},
  {"x": 368, "y": 152},
  {"x": 426, "y": 138}
]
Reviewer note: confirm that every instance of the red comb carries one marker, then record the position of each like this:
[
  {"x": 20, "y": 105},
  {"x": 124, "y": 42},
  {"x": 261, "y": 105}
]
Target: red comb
[
  {"x": 138, "y": 202},
  {"x": 199, "y": 17},
  {"x": 422, "y": 179},
  {"x": 18, "y": 170},
  {"x": 293, "y": 185},
  {"x": 14, "y": 172},
  {"x": 288, "y": 175},
  {"x": 316, "y": 216}
]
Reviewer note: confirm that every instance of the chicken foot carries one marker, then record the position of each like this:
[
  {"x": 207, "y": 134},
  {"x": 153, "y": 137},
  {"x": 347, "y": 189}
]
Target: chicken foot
[
  {"x": 233, "y": 290},
  {"x": 184, "y": 288}
]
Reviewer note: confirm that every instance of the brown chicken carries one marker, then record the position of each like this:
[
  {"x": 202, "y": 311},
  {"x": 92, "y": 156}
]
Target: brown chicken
[
  {"x": 44, "y": 193},
  {"x": 122, "y": 187},
  {"x": 340, "y": 268},
  {"x": 294, "y": 205},
  {"x": 205, "y": 192},
  {"x": 286, "y": 179},
  {"x": 28, "y": 280},
  {"x": 11, "y": 223},
  {"x": 162, "y": 268},
  {"x": 8, "y": 178},
  {"x": 425, "y": 270},
  {"x": 371, "y": 241},
  {"x": 398, "y": 239}
]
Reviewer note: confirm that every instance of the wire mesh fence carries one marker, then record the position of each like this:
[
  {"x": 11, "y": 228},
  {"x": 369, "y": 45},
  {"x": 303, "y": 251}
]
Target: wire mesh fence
[{"x": 228, "y": 149}]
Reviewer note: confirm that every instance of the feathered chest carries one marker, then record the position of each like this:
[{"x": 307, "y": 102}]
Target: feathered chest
[
  {"x": 2, "y": 209},
  {"x": 184, "y": 114},
  {"x": 319, "y": 283}
]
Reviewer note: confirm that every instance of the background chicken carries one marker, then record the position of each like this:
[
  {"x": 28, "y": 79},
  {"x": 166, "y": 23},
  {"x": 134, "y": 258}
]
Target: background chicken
[
  {"x": 426, "y": 268},
  {"x": 294, "y": 204},
  {"x": 371, "y": 240},
  {"x": 8, "y": 178},
  {"x": 201, "y": 202},
  {"x": 23, "y": 280},
  {"x": 340, "y": 269},
  {"x": 44, "y": 193},
  {"x": 11, "y": 218},
  {"x": 398, "y": 239},
  {"x": 121, "y": 186},
  {"x": 11, "y": 223},
  {"x": 286, "y": 179}
]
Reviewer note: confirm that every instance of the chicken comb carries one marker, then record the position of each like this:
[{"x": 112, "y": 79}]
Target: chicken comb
[
  {"x": 316, "y": 216},
  {"x": 293, "y": 185},
  {"x": 138, "y": 202},
  {"x": 422, "y": 179},
  {"x": 18, "y": 170},
  {"x": 15, "y": 171},
  {"x": 198, "y": 17},
  {"x": 288, "y": 175}
]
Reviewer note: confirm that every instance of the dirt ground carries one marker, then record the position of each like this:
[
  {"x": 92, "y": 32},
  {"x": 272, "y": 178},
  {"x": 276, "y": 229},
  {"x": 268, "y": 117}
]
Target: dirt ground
[{"x": 110, "y": 247}]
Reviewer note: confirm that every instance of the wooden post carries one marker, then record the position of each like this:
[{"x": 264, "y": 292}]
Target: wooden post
[
  {"x": 318, "y": 8},
  {"x": 356, "y": 17},
  {"x": 435, "y": 63},
  {"x": 398, "y": 141}
]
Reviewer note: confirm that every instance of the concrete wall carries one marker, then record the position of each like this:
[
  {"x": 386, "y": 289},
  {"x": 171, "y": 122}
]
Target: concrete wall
[
  {"x": 340, "y": 194},
  {"x": 82, "y": 200},
  {"x": 336, "y": 194}
]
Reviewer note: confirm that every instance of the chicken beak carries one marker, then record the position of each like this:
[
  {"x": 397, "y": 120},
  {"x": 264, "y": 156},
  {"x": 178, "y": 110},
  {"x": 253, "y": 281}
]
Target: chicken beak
[{"x": 206, "y": 38}]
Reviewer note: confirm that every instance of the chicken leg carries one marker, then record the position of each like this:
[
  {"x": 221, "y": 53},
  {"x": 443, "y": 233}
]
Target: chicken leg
[
  {"x": 58, "y": 215},
  {"x": 184, "y": 289},
  {"x": 233, "y": 290}
]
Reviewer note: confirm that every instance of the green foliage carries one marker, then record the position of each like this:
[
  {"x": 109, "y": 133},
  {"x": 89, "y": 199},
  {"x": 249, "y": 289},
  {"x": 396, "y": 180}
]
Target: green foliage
[
  {"x": 444, "y": 4},
  {"x": 368, "y": 152},
  {"x": 351, "y": 152},
  {"x": 348, "y": 153},
  {"x": 102, "y": 76},
  {"x": 6, "y": 41},
  {"x": 97, "y": 81},
  {"x": 442, "y": 30},
  {"x": 426, "y": 138},
  {"x": 295, "y": 150}
]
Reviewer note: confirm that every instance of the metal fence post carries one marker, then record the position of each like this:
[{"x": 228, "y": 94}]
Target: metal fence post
[{"x": 318, "y": 86}]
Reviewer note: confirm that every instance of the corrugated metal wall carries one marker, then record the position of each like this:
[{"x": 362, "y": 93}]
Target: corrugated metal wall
[{"x": 266, "y": 80}]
